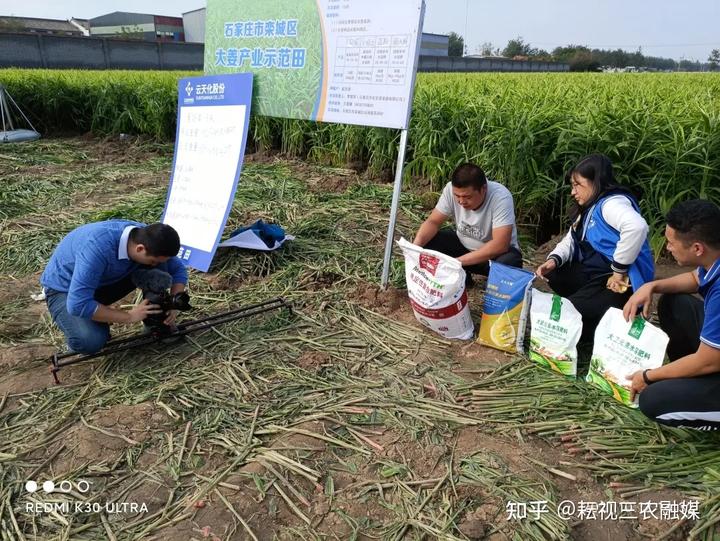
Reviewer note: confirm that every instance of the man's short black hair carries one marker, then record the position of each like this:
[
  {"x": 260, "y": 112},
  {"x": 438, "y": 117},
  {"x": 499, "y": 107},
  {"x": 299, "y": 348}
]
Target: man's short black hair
[
  {"x": 160, "y": 240},
  {"x": 469, "y": 175},
  {"x": 697, "y": 220}
]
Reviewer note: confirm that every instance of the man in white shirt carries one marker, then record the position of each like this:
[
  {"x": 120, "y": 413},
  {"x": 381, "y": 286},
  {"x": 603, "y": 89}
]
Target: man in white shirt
[{"x": 484, "y": 216}]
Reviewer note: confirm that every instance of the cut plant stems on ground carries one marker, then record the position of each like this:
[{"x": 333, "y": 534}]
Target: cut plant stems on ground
[{"x": 346, "y": 420}]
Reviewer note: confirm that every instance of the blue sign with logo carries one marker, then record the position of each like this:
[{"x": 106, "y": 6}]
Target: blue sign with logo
[{"x": 212, "y": 125}]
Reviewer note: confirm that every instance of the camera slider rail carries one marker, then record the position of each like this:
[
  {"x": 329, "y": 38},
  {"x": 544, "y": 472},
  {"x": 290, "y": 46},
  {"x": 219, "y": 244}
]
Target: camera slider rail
[{"x": 60, "y": 360}]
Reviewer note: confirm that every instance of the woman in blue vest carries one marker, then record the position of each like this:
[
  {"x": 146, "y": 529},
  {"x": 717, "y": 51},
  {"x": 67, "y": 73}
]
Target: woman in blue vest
[{"x": 606, "y": 255}]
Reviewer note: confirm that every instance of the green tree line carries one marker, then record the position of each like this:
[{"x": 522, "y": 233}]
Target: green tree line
[{"x": 584, "y": 58}]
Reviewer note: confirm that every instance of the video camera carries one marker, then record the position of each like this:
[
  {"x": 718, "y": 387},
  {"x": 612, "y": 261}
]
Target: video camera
[
  {"x": 167, "y": 301},
  {"x": 155, "y": 285}
]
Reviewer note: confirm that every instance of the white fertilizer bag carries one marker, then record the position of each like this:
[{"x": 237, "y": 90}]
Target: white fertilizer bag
[
  {"x": 554, "y": 333},
  {"x": 436, "y": 287},
  {"x": 622, "y": 348}
]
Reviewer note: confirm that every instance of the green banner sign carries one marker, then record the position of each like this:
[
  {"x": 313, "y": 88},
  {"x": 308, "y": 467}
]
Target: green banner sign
[{"x": 350, "y": 61}]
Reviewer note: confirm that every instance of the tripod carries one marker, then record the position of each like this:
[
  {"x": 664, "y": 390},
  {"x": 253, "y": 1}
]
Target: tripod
[{"x": 60, "y": 360}]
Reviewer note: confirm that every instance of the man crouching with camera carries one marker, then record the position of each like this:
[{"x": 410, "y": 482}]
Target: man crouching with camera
[{"x": 93, "y": 267}]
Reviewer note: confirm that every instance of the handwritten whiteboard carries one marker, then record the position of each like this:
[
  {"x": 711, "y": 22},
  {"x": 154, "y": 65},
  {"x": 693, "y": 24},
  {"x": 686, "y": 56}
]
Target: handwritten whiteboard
[{"x": 212, "y": 126}]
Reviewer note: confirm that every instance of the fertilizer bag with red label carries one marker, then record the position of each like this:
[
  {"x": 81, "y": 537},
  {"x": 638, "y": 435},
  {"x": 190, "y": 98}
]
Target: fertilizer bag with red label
[{"x": 436, "y": 287}]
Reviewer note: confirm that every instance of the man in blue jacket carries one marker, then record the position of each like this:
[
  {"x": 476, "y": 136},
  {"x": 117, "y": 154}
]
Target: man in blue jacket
[
  {"x": 91, "y": 269},
  {"x": 686, "y": 391}
]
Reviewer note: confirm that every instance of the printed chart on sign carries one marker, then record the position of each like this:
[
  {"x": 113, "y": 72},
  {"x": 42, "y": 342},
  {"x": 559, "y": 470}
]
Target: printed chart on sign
[
  {"x": 374, "y": 60},
  {"x": 371, "y": 57}
]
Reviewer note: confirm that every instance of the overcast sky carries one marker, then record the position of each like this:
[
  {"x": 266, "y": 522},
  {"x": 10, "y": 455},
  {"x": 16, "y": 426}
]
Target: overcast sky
[{"x": 677, "y": 29}]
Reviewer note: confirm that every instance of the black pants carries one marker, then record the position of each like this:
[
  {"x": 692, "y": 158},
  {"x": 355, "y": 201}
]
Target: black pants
[
  {"x": 591, "y": 297},
  {"x": 690, "y": 402},
  {"x": 447, "y": 242},
  {"x": 112, "y": 293}
]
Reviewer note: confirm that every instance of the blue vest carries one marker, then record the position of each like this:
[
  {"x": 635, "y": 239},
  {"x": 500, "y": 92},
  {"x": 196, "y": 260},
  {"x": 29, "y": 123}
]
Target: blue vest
[{"x": 604, "y": 238}]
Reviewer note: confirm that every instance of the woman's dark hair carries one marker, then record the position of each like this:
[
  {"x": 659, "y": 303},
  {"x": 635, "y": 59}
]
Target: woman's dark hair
[
  {"x": 598, "y": 169},
  {"x": 469, "y": 175},
  {"x": 160, "y": 240}
]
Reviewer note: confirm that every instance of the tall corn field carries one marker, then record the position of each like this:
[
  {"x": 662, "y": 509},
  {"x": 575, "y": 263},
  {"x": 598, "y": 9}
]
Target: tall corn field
[
  {"x": 662, "y": 131},
  {"x": 102, "y": 102}
]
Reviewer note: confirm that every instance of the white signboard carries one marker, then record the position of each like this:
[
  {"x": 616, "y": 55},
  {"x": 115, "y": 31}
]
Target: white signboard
[
  {"x": 349, "y": 61},
  {"x": 213, "y": 116},
  {"x": 372, "y": 49}
]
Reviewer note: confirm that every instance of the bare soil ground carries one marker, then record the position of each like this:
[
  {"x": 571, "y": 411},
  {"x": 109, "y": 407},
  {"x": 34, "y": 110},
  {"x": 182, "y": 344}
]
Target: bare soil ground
[{"x": 365, "y": 499}]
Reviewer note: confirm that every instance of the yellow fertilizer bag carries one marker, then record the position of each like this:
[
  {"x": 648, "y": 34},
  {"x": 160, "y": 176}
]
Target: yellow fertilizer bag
[
  {"x": 505, "y": 308},
  {"x": 622, "y": 348},
  {"x": 555, "y": 329}
]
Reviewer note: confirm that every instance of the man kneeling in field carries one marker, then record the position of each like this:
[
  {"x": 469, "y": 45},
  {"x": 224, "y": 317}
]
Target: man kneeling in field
[
  {"x": 484, "y": 215},
  {"x": 92, "y": 268},
  {"x": 686, "y": 392}
]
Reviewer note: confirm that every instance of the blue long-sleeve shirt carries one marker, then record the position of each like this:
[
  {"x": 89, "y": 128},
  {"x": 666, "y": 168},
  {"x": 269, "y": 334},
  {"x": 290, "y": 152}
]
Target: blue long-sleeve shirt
[{"x": 92, "y": 256}]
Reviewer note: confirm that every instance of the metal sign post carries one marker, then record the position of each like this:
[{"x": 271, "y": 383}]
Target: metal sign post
[
  {"x": 350, "y": 62},
  {"x": 399, "y": 167},
  {"x": 394, "y": 208}
]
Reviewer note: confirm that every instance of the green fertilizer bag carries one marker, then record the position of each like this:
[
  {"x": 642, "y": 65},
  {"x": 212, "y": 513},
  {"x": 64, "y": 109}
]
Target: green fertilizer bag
[
  {"x": 555, "y": 328},
  {"x": 622, "y": 348}
]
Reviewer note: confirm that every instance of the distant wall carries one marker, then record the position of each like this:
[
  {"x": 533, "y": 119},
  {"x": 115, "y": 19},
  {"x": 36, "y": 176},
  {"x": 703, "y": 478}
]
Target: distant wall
[
  {"x": 436, "y": 63},
  {"x": 25, "y": 50}
]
